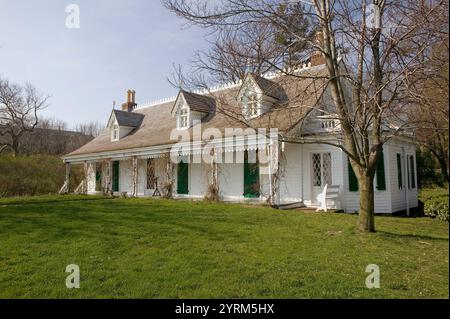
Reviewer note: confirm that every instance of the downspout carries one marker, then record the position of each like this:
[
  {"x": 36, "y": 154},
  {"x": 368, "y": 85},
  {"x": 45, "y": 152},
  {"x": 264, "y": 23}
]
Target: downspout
[{"x": 405, "y": 170}]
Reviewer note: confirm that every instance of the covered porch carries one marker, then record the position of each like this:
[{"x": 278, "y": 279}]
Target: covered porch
[{"x": 298, "y": 176}]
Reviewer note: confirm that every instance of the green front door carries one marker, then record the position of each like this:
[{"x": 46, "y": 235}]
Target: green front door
[
  {"x": 115, "y": 176},
  {"x": 251, "y": 177},
  {"x": 183, "y": 178},
  {"x": 98, "y": 178}
]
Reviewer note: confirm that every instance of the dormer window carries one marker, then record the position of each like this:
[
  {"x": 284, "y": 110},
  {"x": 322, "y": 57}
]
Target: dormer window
[
  {"x": 190, "y": 108},
  {"x": 183, "y": 118},
  {"x": 115, "y": 133},
  {"x": 122, "y": 123},
  {"x": 252, "y": 106},
  {"x": 258, "y": 94}
]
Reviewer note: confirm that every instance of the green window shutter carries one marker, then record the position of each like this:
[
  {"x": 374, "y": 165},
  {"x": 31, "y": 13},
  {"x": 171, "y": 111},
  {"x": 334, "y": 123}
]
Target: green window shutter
[
  {"x": 115, "y": 176},
  {"x": 352, "y": 180},
  {"x": 381, "y": 178},
  {"x": 411, "y": 167},
  {"x": 399, "y": 171},
  {"x": 98, "y": 179},
  {"x": 251, "y": 177},
  {"x": 183, "y": 178}
]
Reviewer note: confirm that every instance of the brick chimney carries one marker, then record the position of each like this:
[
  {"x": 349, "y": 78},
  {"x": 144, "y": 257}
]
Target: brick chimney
[
  {"x": 317, "y": 58},
  {"x": 131, "y": 101}
]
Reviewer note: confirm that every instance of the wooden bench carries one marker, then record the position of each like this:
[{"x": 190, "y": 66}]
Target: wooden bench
[{"x": 329, "y": 193}]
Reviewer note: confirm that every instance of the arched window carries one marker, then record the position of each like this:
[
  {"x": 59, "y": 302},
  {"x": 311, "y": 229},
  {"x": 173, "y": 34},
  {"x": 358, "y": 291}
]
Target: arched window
[
  {"x": 115, "y": 132},
  {"x": 252, "y": 106},
  {"x": 183, "y": 118}
]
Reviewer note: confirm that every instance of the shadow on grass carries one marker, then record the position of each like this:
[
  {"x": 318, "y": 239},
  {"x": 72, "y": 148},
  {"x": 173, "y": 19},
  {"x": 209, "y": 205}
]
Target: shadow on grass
[
  {"x": 31, "y": 202},
  {"x": 411, "y": 236}
]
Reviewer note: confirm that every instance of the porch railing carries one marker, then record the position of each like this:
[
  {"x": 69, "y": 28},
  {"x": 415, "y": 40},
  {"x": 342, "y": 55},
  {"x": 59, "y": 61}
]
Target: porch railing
[
  {"x": 322, "y": 124},
  {"x": 81, "y": 189}
]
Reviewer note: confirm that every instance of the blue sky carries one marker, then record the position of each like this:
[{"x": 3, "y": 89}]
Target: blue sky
[{"x": 121, "y": 44}]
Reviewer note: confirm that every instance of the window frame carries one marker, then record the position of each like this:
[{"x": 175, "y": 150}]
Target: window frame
[
  {"x": 254, "y": 100},
  {"x": 115, "y": 134},
  {"x": 151, "y": 179},
  {"x": 399, "y": 171},
  {"x": 380, "y": 174},
  {"x": 252, "y": 106},
  {"x": 411, "y": 172},
  {"x": 183, "y": 118}
]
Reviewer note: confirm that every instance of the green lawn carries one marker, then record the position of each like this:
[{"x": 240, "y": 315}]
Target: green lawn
[{"x": 143, "y": 248}]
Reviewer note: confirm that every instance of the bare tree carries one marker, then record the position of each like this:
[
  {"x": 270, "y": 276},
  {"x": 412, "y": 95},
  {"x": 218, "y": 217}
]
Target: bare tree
[
  {"x": 384, "y": 44},
  {"x": 255, "y": 48},
  {"x": 93, "y": 128},
  {"x": 19, "y": 107},
  {"x": 430, "y": 98}
]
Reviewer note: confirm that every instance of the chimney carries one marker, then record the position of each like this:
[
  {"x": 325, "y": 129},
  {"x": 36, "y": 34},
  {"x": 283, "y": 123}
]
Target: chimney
[
  {"x": 131, "y": 101},
  {"x": 317, "y": 58}
]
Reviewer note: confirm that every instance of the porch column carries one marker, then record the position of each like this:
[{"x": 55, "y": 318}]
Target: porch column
[
  {"x": 135, "y": 176},
  {"x": 108, "y": 188},
  {"x": 215, "y": 173},
  {"x": 84, "y": 189},
  {"x": 274, "y": 161},
  {"x": 213, "y": 178},
  {"x": 169, "y": 178},
  {"x": 67, "y": 179}
]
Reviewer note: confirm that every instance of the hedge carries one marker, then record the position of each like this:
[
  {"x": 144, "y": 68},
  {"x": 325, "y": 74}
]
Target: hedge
[
  {"x": 436, "y": 203},
  {"x": 33, "y": 175}
]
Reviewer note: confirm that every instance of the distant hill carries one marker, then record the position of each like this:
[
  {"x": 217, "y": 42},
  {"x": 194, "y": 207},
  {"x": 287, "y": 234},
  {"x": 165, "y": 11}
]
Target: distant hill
[{"x": 50, "y": 141}]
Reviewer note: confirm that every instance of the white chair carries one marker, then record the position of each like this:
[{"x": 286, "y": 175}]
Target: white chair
[{"x": 329, "y": 192}]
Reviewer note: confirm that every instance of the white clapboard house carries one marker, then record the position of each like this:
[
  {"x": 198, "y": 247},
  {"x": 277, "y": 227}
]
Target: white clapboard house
[{"x": 136, "y": 153}]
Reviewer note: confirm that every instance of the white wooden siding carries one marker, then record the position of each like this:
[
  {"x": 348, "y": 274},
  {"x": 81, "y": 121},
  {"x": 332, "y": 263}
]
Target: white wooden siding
[
  {"x": 231, "y": 180},
  {"x": 197, "y": 180},
  {"x": 392, "y": 199},
  {"x": 398, "y": 196},
  {"x": 295, "y": 182},
  {"x": 126, "y": 176},
  {"x": 142, "y": 178}
]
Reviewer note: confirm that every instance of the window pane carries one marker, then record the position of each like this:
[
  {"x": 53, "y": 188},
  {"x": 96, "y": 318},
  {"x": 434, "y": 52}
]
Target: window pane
[
  {"x": 317, "y": 176},
  {"x": 151, "y": 178},
  {"x": 326, "y": 169}
]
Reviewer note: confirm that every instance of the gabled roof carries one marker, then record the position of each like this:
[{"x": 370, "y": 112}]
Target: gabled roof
[
  {"x": 197, "y": 102},
  {"x": 129, "y": 119},
  {"x": 302, "y": 94},
  {"x": 268, "y": 87}
]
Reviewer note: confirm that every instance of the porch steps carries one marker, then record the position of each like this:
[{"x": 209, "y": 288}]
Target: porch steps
[{"x": 290, "y": 206}]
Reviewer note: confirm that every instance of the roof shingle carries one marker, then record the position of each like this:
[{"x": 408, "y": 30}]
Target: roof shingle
[
  {"x": 158, "y": 122},
  {"x": 129, "y": 119}
]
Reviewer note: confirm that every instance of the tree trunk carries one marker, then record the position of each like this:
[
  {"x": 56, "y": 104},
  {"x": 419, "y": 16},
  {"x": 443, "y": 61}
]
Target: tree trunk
[
  {"x": 15, "y": 147},
  {"x": 444, "y": 167},
  {"x": 366, "y": 221}
]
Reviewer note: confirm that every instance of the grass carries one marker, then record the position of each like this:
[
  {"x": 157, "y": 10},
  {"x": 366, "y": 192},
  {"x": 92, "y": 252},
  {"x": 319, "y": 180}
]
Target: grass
[{"x": 144, "y": 248}]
